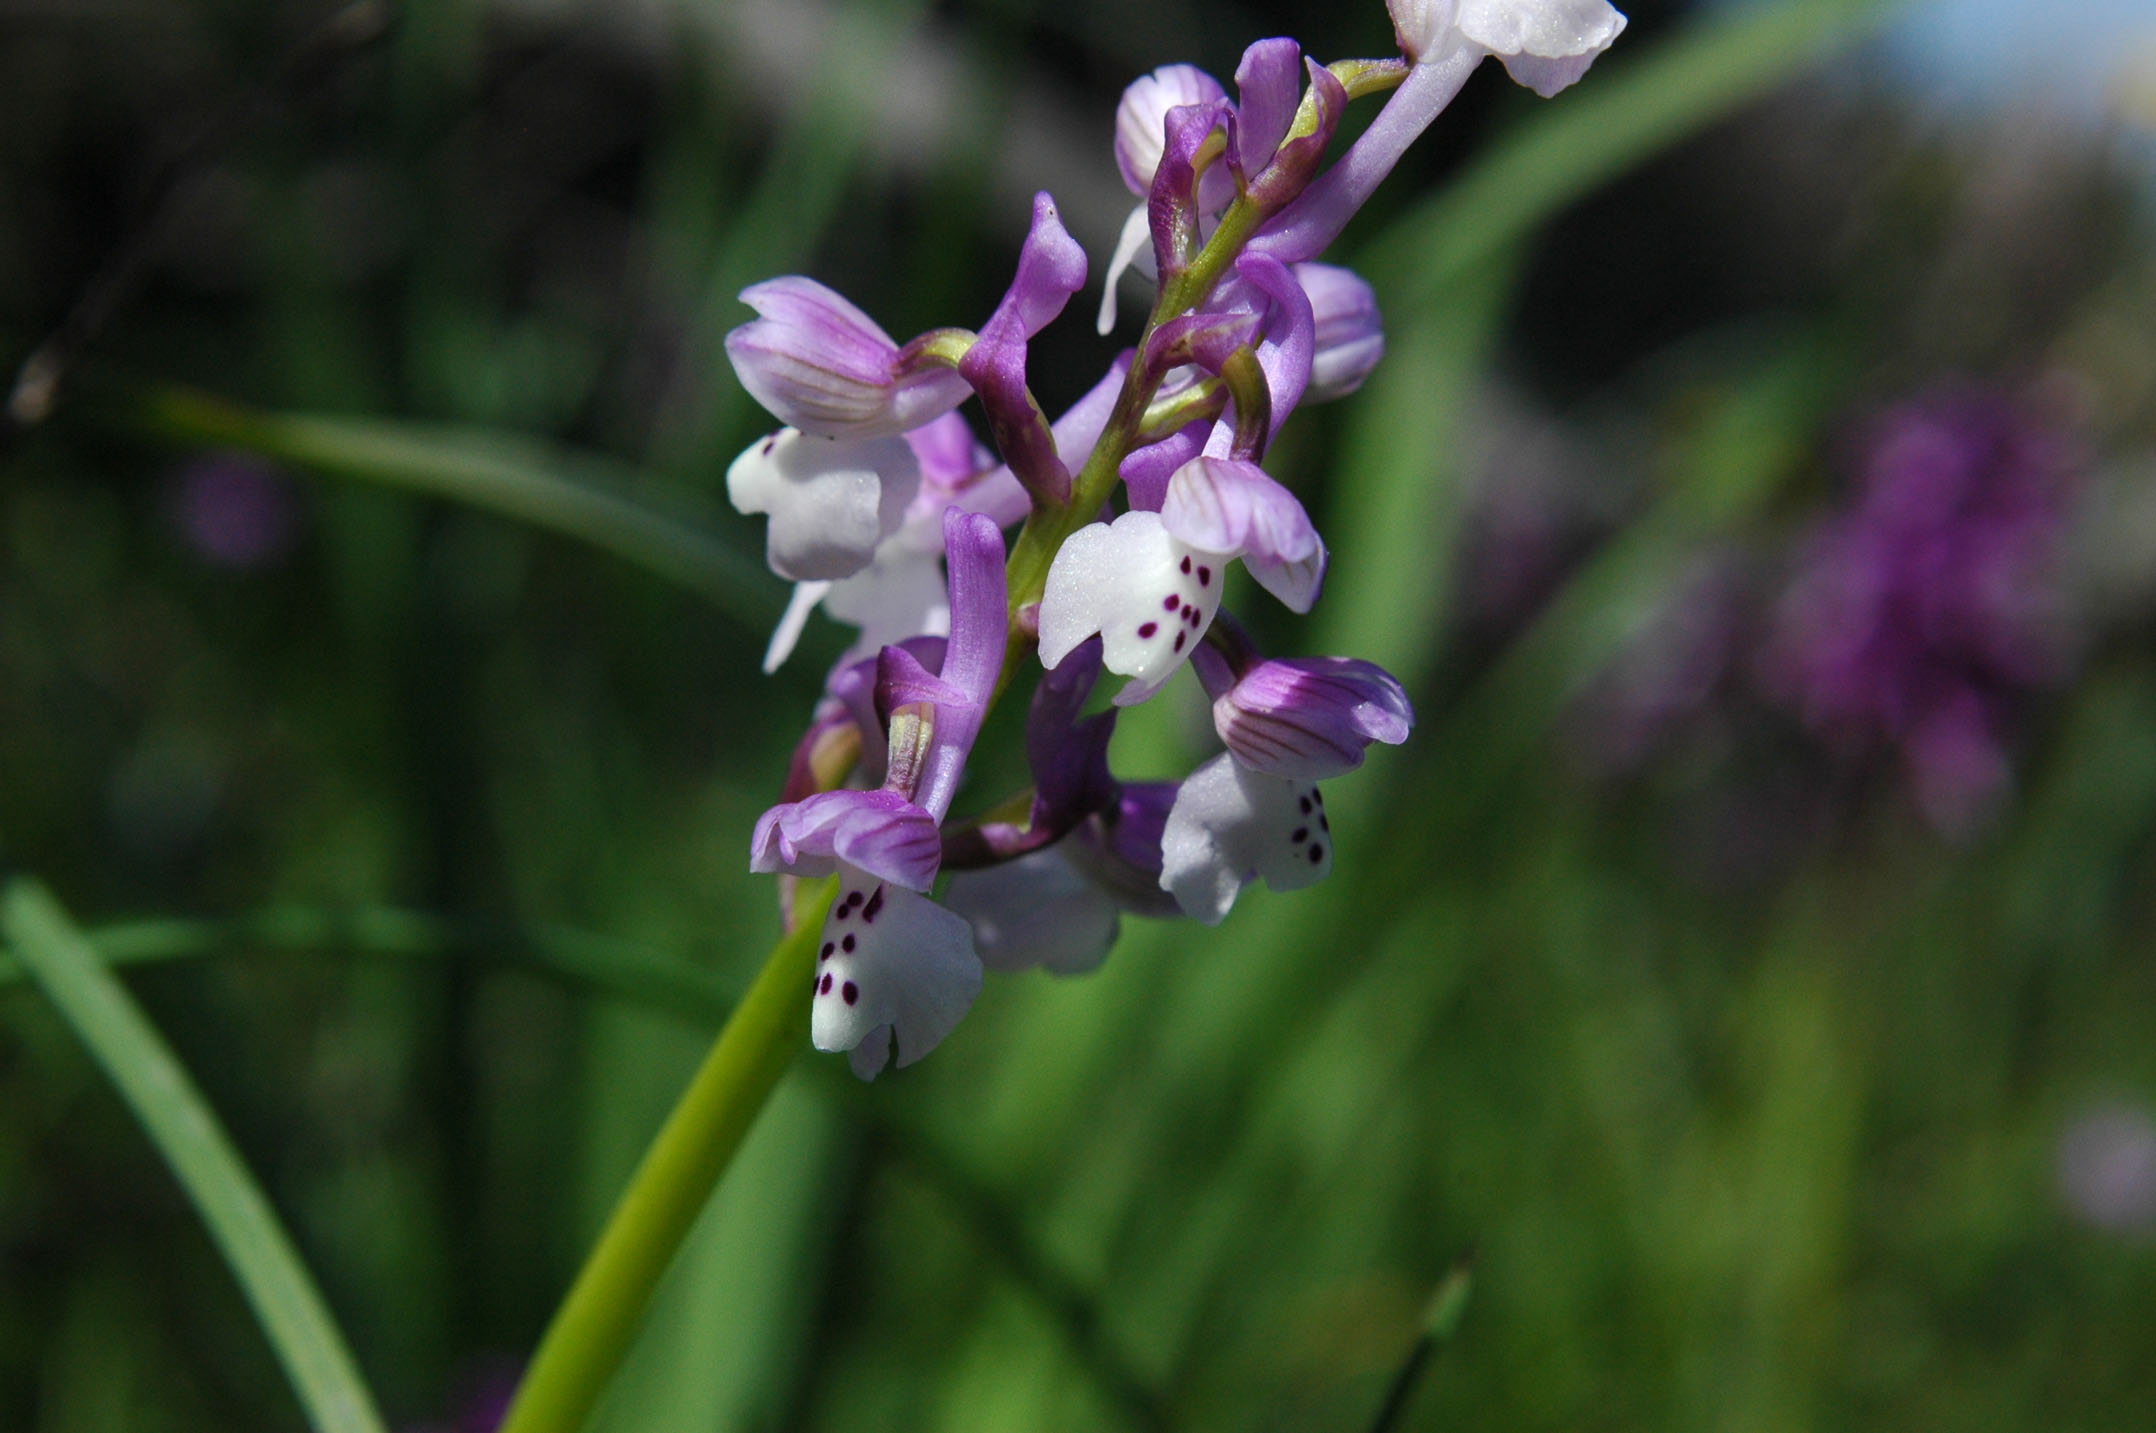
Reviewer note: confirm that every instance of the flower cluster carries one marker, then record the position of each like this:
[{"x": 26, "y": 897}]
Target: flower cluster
[
  {"x": 1905, "y": 631},
  {"x": 1919, "y": 615},
  {"x": 889, "y": 515}
]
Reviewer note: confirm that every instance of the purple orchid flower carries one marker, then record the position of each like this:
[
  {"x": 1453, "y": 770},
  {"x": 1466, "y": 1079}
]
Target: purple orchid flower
[
  {"x": 1165, "y": 116},
  {"x": 1149, "y": 583},
  {"x": 895, "y": 971},
  {"x": 821, "y": 365},
  {"x": 1305, "y": 718}
]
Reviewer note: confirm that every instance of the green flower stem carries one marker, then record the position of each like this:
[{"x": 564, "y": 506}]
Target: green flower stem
[
  {"x": 596, "y": 1323},
  {"x": 196, "y": 1148}
]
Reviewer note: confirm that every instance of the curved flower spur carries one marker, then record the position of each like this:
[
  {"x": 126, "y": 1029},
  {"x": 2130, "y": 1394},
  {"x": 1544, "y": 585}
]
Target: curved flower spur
[{"x": 889, "y": 514}]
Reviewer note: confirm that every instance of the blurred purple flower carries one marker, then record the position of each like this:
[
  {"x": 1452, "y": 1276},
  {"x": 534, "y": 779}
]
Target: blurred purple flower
[
  {"x": 2107, "y": 1169},
  {"x": 481, "y": 1397},
  {"x": 1917, "y": 617},
  {"x": 234, "y": 510}
]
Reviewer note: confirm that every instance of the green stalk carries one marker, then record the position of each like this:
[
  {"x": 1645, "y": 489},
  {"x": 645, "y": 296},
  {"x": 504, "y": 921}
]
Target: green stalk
[
  {"x": 596, "y": 1323},
  {"x": 180, "y": 1122}
]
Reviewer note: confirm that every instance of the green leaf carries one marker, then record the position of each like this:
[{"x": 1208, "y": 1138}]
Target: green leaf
[
  {"x": 185, "y": 1130},
  {"x": 510, "y": 474},
  {"x": 615, "y": 967}
]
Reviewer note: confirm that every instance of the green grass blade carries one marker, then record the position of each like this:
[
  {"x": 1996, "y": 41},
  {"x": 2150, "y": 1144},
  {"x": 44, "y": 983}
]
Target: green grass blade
[
  {"x": 513, "y": 475},
  {"x": 185, "y": 1130},
  {"x": 601, "y": 963}
]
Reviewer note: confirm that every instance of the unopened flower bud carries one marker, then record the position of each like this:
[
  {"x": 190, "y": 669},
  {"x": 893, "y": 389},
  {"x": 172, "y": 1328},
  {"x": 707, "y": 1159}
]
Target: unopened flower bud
[{"x": 1350, "y": 333}]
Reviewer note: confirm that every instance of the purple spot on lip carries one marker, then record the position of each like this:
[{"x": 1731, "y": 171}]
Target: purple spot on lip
[
  {"x": 1187, "y": 612},
  {"x": 1186, "y": 564},
  {"x": 1327, "y": 825},
  {"x": 1170, "y": 602},
  {"x": 851, "y": 991},
  {"x": 1317, "y": 853},
  {"x": 875, "y": 904},
  {"x": 770, "y": 443},
  {"x": 846, "y": 945},
  {"x": 1179, "y": 639},
  {"x": 825, "y": 987},
  {"x": 1147, "y": 629},
  {"x": 1205, "y": 575},
  {"x": 825, "y": 953},
  {"x": 1305, "y": 803},
  {"x": 1302, "y": 834}
]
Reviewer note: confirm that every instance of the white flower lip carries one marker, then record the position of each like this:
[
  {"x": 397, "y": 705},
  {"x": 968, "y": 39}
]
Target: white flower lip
[
  {"x": 893, "y": 968},
  {"x": 1230, "y": 826},
  {"x": 830, "y": 501},
  {"x": 1545, "y": 45}
]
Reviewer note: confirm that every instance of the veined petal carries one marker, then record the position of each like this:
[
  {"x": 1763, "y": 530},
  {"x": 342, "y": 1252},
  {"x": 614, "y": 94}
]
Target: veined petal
[
  {"x": 1307, "y": 718},
  {"x": 892, "y": 968},
  {"x": 1225, "y": 505},
  {"x": 813, "y": 359},
  {"x": 1148, "y": 595},
  {"x": 878, "y": 831},
  {"x": 1036, "y": 910},
  {"x": 830, "y": 501},
  {"x": 1230, "y": 826}
]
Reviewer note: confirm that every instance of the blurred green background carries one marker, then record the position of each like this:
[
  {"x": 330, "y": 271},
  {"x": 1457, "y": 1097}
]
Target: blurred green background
[{"x": 1762, "y": 1102}]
